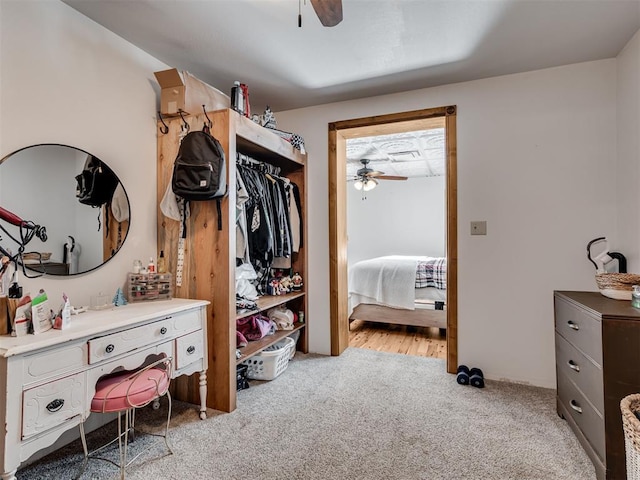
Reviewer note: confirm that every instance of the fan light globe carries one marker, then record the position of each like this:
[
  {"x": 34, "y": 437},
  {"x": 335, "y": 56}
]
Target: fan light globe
[
  {"x": 358, "y": 184},
  {"x": 370, "y": 184}
]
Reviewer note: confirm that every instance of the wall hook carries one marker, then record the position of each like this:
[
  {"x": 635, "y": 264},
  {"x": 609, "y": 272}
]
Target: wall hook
[
  {"x": 164, "y": 129},
  {"x": 185, "y": 125},
  {"x": 209, "y": 122}
]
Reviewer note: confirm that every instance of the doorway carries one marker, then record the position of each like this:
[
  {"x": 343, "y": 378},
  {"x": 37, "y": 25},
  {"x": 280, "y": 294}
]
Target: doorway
[{"x": 339, "y": 133}]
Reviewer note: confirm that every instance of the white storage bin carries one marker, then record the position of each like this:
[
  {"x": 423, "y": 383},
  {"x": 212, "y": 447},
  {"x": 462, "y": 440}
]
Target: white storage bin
[{"x": 272, "y": 361}]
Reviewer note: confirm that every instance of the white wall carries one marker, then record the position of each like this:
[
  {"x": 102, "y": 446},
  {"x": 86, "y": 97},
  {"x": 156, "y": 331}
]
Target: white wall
[
  {"x": 628, "y": 178},
  {"x": 65, "y": 79},
  {"x": 397, "y": 218},
  {"x": 536, "y": 160}
]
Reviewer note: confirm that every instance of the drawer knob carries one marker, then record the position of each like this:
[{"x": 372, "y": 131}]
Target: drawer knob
[
  {"x": 573, "y": 325},
  {"x": 163, "y": 330},
  {"x": 110, "y": 348},
  {"x": 573, "y": 365},
  {"x": 575, "y": 406},
  {"x": 55, "y": 405},
  {"x": 191, "y": 349}
]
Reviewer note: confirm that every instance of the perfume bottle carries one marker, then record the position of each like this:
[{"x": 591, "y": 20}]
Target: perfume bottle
[
  {"x": 152, "y": 266},
  {"x": 162, "y": 265}
]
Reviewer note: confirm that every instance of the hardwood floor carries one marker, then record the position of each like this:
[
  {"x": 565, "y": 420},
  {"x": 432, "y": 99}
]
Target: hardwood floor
[{"x": 422, "y": 342}]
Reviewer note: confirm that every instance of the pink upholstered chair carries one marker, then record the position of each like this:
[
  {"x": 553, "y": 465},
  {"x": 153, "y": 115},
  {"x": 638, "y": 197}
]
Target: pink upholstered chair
[{"x": 124, "y": 393}]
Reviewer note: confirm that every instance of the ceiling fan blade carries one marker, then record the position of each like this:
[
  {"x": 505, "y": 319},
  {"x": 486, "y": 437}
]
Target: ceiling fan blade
[
  {"x": 329, "y": 11},
  {"x": 375, "y": 173},
  {"x": 391, "y": 177}
]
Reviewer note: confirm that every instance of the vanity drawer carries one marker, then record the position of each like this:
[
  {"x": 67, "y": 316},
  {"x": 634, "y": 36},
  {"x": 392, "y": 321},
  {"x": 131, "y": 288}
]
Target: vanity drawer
[
  {"x": 580, "y": 370},
  {"x": 186, "y": 322},
  {"x": 580, "y": 329},
  {"x": 109, "y": 346},
  {"x": 189, "y": 348},
  {"x": 53, "y": 363},
  {"x": 52, "y": 404},
  {"x": 586, "y": 417}
]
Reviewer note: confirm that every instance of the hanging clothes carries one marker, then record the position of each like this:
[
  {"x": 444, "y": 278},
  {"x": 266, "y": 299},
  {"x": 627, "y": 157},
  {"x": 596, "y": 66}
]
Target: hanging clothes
[
  {"x": 242, "y": 197},
  {"x": 270, "y": 232}
]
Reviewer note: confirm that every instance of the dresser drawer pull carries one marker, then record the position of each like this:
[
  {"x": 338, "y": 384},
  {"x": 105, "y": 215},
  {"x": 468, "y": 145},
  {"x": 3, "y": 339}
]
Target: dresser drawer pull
[
  {"x": 55, "y": 405},
  {"x": 191, "y": 349},
  {"x": 573, "y": 325},
  {"x": 163, "y": 330},
  {"x": 573, "y": 365},
  {"x": 110, "y": 348},
  {"x": 575, "y": 406}
]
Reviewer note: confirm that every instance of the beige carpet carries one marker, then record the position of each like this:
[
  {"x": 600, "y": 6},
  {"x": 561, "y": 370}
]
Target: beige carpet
[{"x": 363, "y": 415}]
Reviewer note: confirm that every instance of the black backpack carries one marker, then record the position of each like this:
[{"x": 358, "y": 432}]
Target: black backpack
[
  {"x": 200, "y": 171},
  {"x": 96, "y": 183}
]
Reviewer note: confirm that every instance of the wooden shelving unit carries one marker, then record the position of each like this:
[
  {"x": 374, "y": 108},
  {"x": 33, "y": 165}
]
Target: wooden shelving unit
[
  {"x": 257, "y": 346},
  {"x": 209, "y": 265}
]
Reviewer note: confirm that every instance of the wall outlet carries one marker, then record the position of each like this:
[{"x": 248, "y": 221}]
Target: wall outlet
[{"x": 479, "y": 228}]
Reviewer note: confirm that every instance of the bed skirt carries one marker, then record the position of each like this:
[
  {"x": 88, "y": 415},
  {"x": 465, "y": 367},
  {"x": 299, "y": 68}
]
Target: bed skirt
[{"x": 420, "y": 317}]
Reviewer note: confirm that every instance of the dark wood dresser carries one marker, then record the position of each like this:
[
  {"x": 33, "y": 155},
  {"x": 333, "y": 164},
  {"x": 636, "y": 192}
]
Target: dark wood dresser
[{"x": 597, "y": 365}]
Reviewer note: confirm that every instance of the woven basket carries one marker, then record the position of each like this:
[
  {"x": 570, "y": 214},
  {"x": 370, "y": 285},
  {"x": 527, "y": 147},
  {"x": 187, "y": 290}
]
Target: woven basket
[
  {"x": 631, "y": 426},
  {"x": 617, "y": 285}
]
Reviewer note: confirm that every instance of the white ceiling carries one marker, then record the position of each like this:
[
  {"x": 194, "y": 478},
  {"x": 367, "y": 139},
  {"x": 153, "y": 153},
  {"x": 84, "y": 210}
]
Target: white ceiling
[{"x": 380, "y": 47}]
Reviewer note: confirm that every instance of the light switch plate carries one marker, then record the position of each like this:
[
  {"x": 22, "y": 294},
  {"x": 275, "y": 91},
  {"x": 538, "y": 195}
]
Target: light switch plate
[{"x": 479, "y": 228}]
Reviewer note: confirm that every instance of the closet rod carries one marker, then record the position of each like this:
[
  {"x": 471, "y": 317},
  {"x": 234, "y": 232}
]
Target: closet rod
[{"x": 247, "y": 161}]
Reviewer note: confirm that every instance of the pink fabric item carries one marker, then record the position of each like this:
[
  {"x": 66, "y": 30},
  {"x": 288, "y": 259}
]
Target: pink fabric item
[
  {"x": 141, "y": 390},
  {"x": 254, "y": 327}
]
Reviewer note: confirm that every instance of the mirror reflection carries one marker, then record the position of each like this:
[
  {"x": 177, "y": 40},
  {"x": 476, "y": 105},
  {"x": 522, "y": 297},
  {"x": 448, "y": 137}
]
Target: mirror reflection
[{"x": 72, "y": 194}]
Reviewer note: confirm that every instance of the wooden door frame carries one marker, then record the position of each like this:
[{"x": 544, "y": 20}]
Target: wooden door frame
[{"x": 381, "y": 125}]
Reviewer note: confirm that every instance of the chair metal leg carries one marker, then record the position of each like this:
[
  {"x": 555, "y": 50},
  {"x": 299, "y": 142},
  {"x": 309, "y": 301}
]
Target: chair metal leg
[
  {"x": 121, "y": 451},
  {"x": 132, "y": 423},
  {"x": 166, "y": 430},
  {"x": 84, "y": 449}
]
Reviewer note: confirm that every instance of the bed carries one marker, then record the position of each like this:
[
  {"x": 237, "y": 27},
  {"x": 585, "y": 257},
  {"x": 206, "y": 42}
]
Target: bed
[{"x": 404, "y": 290}]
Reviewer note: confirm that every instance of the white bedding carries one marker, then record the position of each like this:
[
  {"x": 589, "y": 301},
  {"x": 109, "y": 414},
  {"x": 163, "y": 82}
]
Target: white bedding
[{"x": 388, "y": 281}]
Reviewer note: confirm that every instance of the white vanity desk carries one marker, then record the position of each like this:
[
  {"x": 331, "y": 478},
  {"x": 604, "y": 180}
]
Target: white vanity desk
[{"x": 48, "y": 380}]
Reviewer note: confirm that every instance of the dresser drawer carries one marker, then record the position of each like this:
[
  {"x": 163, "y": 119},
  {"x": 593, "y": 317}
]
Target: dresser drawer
[
  {"x": 579, "y": 328},
  {"x": 52, "y": 404},
  {"x": 586, "y": 417},
  {"x": 109, "y": 346},
  {"x": 53, "y": 363},
  {"x": 580, "y": 370},
  {"x": 189, "y": 348}
]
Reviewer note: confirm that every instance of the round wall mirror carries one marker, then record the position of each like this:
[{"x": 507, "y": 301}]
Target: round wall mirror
[{"x": 46, "y": 185}]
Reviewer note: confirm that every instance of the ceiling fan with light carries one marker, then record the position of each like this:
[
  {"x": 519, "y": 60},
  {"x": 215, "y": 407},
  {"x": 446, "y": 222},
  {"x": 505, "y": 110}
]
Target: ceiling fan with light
[
  {"x": 328, "y": 11},
  {"x": 367, "y": 178}
]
